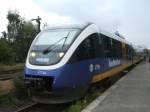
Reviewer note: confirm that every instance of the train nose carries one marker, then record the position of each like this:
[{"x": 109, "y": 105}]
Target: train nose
[{"x": 39, "y": 83}]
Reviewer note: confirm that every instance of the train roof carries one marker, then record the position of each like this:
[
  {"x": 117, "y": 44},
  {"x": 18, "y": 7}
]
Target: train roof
[
  {"x": 84, "y": 25},
  {"x": 75, "y": 26},
  {"x": 114, "y": 36}
]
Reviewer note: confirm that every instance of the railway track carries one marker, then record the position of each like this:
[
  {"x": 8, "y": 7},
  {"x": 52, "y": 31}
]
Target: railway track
[
  {"x": 10, "y": 71},
  {"x": 5, "y": 75},
  {"x": 6, "y": 80},
  {"x": 37, "y": 107}
]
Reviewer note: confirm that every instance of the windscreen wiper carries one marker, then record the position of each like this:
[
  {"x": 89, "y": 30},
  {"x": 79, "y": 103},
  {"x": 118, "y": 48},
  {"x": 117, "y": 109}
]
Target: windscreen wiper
[
  {"x": 65, "y": 40},
  {"x": 52, "y": 47}
]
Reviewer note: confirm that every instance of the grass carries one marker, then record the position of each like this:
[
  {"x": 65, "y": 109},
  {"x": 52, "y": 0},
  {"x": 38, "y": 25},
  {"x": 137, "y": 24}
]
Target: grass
[
  {"x": 8, "y": 98},
  {"x": 20, "y": 89},
  {"x": 81, "y": 104},
  {"x": 11, "y": 67},
  {"x": 18, "y": 94}
]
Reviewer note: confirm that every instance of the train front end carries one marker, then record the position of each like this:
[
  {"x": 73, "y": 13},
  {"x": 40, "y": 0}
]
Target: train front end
[{"x": 49, "y": 76}]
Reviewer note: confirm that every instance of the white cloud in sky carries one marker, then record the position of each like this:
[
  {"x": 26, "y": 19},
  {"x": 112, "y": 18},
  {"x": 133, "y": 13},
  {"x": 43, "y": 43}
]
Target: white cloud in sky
[
  {"x": 29, "y": 10},
  {"x": 130, "y": 17}
]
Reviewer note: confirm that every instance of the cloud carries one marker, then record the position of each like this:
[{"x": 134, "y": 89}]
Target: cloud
[
  {"x": 99, "y": 11},
  {"x": 29, "y": 10},
  {"x": 131, "y": 18}
]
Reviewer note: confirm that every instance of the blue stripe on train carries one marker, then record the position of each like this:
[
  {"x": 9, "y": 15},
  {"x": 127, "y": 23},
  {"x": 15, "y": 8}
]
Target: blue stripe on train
[{"x": 75, "y": 74}]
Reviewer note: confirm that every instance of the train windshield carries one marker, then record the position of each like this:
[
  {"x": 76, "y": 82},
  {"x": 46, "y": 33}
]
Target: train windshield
[{"x": 51, "y": 45}]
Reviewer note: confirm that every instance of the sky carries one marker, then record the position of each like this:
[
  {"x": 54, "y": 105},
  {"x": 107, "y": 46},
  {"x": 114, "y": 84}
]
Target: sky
[{"x": 130, "y": 17}]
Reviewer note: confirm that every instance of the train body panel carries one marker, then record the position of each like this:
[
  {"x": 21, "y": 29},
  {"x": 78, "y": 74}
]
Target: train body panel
[
  {"x": 79, "y": 73},
  {"x": 72, "y": 80}
]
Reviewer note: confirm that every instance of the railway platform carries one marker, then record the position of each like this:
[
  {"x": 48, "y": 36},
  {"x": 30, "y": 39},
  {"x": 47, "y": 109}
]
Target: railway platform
[{"x": 130, "y": 94}]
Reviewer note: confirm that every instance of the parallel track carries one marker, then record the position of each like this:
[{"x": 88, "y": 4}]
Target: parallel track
[
  {"x": 5, "y": 75},
  {"x": 6, "y": 80}
]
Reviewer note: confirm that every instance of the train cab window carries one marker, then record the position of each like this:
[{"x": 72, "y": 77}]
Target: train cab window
[
  {"x": 84, "y": 51},
  {"x": 90, "y": 48}
]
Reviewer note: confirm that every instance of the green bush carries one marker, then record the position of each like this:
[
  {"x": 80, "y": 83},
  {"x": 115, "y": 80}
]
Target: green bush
[
  {"x": 20, "y": 90},
  {"x": 8, "y": 98},
  {"x": 18, "y": 95},
  {"x": 6, "y": 53},
  {"x": 18, "y": 66}
]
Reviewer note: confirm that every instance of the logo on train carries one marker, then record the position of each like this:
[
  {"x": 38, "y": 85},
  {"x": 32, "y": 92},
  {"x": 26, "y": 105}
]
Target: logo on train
[
  {"x": 95, "y": 67},
  {"x": 113, "y": 63},
  {"x": 41, "y": 72},
  {"x": 91, "y": 68}
]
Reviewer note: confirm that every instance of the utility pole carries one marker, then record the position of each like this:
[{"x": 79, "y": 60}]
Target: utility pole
[{"x": 38, "y": 20}]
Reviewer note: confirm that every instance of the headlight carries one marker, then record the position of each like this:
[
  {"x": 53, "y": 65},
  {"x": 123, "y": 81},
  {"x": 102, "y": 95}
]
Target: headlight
[
  {"x": 33, "y": 54},
  {"x": 61, "y": 54}
]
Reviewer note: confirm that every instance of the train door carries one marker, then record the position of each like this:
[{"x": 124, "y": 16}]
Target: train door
[
  {"x": 89, "y": 50},
  {"x": 86, "y": 54}
]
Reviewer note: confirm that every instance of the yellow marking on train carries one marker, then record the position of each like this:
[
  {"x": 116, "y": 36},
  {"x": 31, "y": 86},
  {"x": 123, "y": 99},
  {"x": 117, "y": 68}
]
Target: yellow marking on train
[
  {"x": 112, "y": 71},
  {"x": 109, "y": 73}
]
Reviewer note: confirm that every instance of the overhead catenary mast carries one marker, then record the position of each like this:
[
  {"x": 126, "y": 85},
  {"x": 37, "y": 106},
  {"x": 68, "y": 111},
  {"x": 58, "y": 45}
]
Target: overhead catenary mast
[{"x": 38, "y": 20}]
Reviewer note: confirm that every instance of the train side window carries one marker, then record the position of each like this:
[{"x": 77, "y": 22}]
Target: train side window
[
  {"x": 96, "y": 50},
  {"x": 100, "y": 40},
  {"x": 98, "y": 46},
  {"x": 90, "y": 46},
  {"x": 119, "y": 49},
  {"x": 107, "y": 43},
  {"x": 112, "y": 48}
]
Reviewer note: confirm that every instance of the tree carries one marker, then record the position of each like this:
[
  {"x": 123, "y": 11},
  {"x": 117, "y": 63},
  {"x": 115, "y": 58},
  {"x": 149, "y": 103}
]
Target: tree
[
  {"x": 16, "y": 41},
  {"x": 24, "y": 38},
  {"x": 6, "y": 53},
  {"x": 14, "y": 24},
  {"x": 4, "y": 35}
]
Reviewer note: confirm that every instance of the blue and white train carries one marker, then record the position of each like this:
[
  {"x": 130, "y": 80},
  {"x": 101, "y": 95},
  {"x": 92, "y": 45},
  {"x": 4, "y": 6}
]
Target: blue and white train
[{"x": 64, "y": 61}]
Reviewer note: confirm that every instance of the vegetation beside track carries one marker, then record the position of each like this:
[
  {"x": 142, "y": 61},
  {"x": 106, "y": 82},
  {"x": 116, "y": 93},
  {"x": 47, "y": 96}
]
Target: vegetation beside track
[
  {"x": 79, "y": 105},
  {"x": 10, "y": 71},
  {"x": 5, "y": 68},
  {"x": 16, "y": 95},
  {"x": 15, "y": 98},
  {"x": 16, "y": 40},
  {"x": 10, "y": 102}
]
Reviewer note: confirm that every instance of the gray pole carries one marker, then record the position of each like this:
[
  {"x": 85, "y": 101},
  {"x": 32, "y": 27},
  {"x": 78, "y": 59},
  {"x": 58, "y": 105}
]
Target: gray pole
[{"x": 38, "y": 20}]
